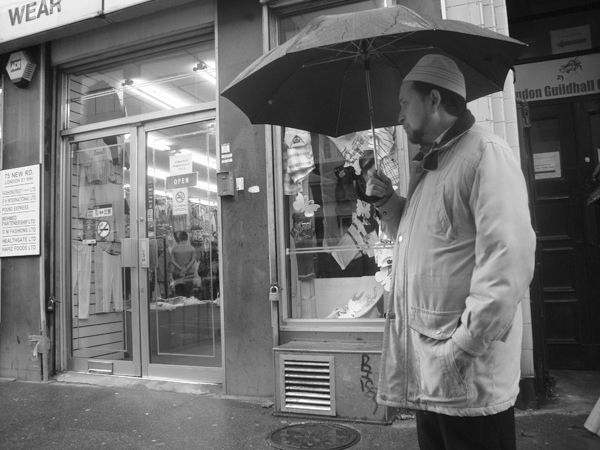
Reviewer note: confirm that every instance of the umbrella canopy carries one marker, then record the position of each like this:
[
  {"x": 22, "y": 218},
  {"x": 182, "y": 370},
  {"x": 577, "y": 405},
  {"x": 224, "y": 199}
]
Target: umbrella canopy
[{"x": 342, "y": 73}]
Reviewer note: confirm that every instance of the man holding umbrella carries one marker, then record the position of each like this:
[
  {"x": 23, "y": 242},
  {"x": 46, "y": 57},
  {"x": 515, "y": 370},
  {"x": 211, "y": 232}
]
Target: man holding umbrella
[{"x": 464, "y": 258}]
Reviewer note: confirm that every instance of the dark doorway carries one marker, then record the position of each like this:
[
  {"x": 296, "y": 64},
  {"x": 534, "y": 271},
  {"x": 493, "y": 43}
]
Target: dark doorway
[{"x": 565, "y": 144}]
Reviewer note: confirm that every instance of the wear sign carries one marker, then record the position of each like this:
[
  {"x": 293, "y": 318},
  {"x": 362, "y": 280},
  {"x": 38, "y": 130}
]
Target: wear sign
[
  {"x": 568, "y": 77},
  {"x": 26, "y": 17},
  {"x": 20, "y": 211}
]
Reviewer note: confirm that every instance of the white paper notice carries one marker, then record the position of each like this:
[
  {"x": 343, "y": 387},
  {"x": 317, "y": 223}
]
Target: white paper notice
[{"x": 546, "y": 165}]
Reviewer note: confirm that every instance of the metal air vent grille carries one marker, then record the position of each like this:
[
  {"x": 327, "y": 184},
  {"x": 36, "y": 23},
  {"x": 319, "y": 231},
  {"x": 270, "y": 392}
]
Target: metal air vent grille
[{"x": 308, "y": 384}]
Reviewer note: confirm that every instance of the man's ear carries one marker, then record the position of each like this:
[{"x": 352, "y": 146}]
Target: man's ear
[{"x": 436, "y": 99}]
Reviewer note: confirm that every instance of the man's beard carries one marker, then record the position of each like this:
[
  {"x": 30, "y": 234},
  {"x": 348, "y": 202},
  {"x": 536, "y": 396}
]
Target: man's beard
[{"x": 417, "y": 135}]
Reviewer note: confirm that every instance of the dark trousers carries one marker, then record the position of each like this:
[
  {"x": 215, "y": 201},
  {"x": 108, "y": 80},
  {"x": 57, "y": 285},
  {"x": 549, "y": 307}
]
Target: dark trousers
[{"x": 442, "y": 432}]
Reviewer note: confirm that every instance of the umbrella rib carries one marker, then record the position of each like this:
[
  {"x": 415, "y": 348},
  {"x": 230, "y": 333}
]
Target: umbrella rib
[{"x": 337, "y": 124}]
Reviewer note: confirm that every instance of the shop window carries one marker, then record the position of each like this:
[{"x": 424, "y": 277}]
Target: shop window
[
  {"x": 337, "y": 260},
  {"x": 172, "y": 80}
]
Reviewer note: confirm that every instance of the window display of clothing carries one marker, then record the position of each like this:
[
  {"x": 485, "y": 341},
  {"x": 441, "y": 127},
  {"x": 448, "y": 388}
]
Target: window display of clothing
[
  {"x": 298, "y": 160},
  {"x": 81, "y": 274},
  {"x": 109, "y": 280},
  {"x": 97, "y": 180}
]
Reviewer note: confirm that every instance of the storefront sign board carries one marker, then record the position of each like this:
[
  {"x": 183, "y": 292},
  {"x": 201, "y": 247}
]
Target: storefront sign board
[
  {"x": 559, "y": 78},
  {"x": 20, "y": 211},
  {"x": 26, "y": 17}
]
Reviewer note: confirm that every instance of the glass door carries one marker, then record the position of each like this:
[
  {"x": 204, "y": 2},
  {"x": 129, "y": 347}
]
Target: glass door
[
  {"x": 145, "y": 285},
  {"x": 181, "y": 313},
  {"x": 104, "y": 303}
]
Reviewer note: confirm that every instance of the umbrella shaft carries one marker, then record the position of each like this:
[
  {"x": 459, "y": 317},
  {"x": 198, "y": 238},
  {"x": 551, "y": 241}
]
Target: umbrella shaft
[{"x": 370, "y": 100}]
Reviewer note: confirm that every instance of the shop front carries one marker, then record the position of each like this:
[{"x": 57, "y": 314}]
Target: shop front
[
  {"x": 131, "y": 231},
  {"x": 139, "y": 199},
  {"x": 179, "y": 241}
]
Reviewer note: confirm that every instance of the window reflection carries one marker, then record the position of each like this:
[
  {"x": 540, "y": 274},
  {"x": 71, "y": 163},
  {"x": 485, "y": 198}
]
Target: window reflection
[
  {"x": 339, "y": 261},
  {"x": 157, "y": 83}
]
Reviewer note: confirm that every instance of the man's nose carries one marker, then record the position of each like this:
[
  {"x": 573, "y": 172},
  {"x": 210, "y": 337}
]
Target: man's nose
[{"x": 400, "y": 118}]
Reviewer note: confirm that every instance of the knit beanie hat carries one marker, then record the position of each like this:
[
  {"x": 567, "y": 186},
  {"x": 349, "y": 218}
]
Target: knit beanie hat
[{"x": 440, "y": 71}]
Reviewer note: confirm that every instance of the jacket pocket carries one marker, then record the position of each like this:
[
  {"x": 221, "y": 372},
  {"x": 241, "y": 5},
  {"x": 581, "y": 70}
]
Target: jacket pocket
[
  {"x": 445, "y": 226},
  {"x": 437, "y": 373},
  {"x": 435, "y": 324}
]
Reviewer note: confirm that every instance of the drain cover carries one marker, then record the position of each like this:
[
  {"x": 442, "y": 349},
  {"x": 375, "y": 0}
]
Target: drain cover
[{"x": 315, "y": 436}]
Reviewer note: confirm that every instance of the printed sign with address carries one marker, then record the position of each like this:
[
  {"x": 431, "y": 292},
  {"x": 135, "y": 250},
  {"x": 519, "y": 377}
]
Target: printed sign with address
[{"x": 20, "y": 211}]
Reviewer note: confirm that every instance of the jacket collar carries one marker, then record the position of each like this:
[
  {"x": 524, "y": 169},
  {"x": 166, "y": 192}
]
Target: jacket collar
[{"x": 429, "y": 154}]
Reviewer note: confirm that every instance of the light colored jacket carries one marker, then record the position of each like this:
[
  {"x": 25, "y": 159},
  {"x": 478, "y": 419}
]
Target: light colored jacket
[{"x": 463, "y": 260}]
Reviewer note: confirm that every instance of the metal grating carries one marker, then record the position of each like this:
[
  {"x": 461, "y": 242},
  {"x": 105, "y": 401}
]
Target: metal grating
[{"x": 308, "y": 385}]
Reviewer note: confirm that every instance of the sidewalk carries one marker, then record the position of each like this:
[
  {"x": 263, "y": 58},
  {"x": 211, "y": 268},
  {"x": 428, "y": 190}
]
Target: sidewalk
[{"x": 77, "y": 411}]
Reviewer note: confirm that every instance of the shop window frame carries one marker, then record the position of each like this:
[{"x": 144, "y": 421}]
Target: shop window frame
[{"x": 274, "y": 12}]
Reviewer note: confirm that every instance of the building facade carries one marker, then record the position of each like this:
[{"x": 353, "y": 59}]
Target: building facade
[{"x": 166, "y": 237}]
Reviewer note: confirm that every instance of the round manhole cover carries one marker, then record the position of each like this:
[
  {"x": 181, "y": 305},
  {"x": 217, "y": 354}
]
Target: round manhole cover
[{"x": 314, "y": 436}]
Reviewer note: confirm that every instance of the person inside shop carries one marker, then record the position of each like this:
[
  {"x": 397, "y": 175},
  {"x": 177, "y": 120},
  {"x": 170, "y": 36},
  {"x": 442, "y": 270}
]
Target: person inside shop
[
  {"x": 208, "y": 271},
  {"x": 183, "y": 260},
  {"x": 463, "y": 260}
]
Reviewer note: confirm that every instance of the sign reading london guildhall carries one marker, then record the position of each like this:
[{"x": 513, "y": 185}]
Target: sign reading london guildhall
[{"x": 565, "y": 77}]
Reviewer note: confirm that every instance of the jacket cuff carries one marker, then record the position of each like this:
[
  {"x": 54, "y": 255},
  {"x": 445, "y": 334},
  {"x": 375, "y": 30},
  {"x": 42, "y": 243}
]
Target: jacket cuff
[
  {"x": 469, "y": 342},
  {"x": 392, "y": 206}
]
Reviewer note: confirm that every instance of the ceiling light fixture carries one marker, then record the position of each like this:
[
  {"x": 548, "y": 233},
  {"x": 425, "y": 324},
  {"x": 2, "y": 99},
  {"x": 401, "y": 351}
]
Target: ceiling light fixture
[{"x": 206, "y": 71}]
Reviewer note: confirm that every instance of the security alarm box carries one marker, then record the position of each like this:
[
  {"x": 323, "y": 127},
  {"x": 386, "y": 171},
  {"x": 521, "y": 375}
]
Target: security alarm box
[{"x": 225, "y": 184}]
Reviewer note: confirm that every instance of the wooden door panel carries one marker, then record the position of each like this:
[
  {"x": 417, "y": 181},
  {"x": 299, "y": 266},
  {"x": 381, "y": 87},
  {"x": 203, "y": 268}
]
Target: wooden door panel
[
  {"x": 560, "y": 211},
  {"x": 554, "y": 216}
]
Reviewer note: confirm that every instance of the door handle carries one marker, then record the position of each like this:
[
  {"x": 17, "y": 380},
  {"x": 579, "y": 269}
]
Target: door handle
[
  {"x": 145, "y": 253},
  {"x": 128, "y": 253},
  {"x": 153, "y": 253}
]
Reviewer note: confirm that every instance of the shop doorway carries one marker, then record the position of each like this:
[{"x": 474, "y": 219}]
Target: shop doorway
[
  {"x": 565, "y": 140},
  {"x": 145, "y": 285}
]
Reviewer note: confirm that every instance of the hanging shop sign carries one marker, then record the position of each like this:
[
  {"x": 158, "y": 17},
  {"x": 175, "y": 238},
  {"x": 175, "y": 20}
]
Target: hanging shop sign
[
  {"x": 23, "y": 18},
  {"x": 20, "y": 211},
  {"x": 559, "y": 78},
  {"x": 184, "y": 180},
  {"x": 180, "y": 164}
]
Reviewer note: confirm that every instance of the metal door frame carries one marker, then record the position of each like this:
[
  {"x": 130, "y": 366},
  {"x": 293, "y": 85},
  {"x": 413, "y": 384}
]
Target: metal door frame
[{"x": 140, "y": 366}]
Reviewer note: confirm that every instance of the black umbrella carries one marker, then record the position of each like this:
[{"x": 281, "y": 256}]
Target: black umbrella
[{"x": 342, "y": 73}]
